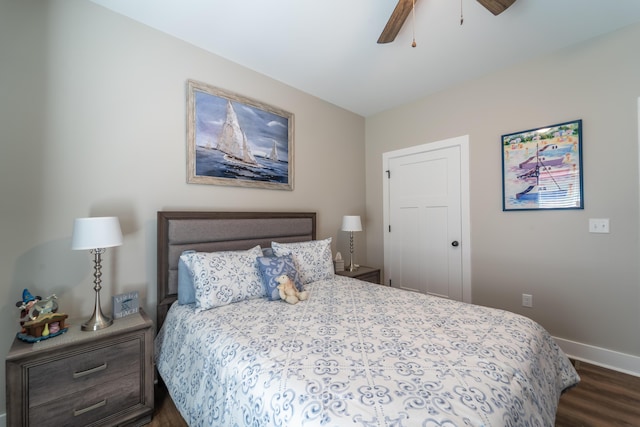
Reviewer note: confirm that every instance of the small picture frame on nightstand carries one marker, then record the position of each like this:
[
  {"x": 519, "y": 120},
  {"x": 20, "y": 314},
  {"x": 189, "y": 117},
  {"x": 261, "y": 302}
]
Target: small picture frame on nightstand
[{"x": 125, "y": 304}]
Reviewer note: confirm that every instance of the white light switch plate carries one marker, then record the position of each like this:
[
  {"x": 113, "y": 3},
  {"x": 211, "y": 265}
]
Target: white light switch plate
[{"x": 598, "y": 225}]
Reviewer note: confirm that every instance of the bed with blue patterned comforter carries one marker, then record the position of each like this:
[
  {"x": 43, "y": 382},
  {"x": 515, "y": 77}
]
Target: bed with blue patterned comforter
[{"x": 359, "y": 354}]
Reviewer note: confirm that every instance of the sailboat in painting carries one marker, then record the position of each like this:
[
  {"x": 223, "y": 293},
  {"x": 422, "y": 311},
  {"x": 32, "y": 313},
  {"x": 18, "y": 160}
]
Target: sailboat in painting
[
  {"x": 233, "y": 141},
  {"x": 274, "y": 153}
]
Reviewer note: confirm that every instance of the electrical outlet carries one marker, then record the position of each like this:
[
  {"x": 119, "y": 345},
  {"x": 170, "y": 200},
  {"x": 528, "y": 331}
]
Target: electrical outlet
[
  {"x": 598, "y": 225},
  {"x": 527, "y": 300}
]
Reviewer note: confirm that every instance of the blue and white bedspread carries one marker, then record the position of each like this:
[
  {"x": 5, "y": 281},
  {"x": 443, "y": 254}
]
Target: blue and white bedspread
[{"x": 358, "y": 354}]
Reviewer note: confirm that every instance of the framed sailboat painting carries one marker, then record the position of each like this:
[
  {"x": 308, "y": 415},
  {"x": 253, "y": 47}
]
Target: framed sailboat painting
[
  {"x": 238, "y": 141},
  {"x": 542, "y": 168}
]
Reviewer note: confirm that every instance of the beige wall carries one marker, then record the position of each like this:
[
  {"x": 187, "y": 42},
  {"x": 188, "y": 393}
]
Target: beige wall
[
  {"x": 92, "y": 122},
  {"x": 585, "y": 286}
]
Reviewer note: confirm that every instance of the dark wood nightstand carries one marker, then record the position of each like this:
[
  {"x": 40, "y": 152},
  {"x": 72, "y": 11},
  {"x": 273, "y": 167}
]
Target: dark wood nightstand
[
  {"x": 368, "y": 274},
  {"x": 83, "y": 378}
]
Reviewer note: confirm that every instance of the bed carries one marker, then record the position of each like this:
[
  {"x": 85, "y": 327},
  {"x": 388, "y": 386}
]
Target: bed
[{"x": 354, "y": 353}]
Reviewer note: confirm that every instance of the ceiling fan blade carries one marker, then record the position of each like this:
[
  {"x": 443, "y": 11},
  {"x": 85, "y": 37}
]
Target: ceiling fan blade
[
  {"x": 496, "y": 6},
  {"x": 395, "y": 22}
]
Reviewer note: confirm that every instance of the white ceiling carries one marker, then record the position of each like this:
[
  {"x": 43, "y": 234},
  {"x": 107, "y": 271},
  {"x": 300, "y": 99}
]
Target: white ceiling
[{"x": 328, "y": 48}]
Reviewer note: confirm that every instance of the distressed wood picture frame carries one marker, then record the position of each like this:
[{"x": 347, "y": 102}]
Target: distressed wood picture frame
[{"x": 238, "y": 141}]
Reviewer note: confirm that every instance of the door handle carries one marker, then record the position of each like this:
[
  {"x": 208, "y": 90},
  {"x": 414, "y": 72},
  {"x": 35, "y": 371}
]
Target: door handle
[{"x": 454, "y": 243}]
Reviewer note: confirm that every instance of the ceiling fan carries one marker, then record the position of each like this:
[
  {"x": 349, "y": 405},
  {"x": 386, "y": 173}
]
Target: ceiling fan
[{"x": 404, "y": 7}]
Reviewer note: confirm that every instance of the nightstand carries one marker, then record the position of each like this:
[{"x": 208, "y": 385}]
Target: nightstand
[
  {"x": 368, "y": 274},
  {"x": 83, "y": 378}
]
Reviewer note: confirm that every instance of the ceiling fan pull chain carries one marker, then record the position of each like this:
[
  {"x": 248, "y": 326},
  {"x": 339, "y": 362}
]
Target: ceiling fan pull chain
[
  {"x": 413, "y": 44},
  {"x": 461, "y": 17}
]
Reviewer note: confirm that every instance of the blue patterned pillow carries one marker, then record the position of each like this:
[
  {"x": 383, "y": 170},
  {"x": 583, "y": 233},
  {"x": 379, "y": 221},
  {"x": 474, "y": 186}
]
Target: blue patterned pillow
[
  {"x": 186, "y": 288},
  {"x": 268, "y": 252},
  {"x": 272, "y": 267},
  {"x": 313, "y": 259},
  {"x": 222, "y": 278}
]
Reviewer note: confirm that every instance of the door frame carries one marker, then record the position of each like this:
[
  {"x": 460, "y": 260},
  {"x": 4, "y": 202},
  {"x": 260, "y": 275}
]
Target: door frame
[{"x": 465, "y": 227}]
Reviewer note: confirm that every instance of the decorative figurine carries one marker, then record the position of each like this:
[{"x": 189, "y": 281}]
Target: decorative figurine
[{"x": 39, "y": 319}]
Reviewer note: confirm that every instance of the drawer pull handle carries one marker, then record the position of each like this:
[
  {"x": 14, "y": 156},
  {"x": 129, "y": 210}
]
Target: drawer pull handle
[
  {"x": 90, "y": 371},
  {"x": 78, "y": 412}
]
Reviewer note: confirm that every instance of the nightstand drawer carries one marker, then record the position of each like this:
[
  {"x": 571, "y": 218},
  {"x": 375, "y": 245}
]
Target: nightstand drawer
[
  {"x": 81, "y": 378},
  {"x": 83, "y": 370},
  {"x": 88, "y": 406}
]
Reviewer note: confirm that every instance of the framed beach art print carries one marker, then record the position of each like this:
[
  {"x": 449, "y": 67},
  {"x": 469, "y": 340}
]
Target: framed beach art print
[
  {"x": 542, "y": 168},
  {"x": 238, "y": 141}
]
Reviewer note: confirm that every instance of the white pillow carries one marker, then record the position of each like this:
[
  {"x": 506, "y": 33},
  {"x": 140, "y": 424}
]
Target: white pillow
[
  {"x": 313, "y": 259},
  {"x": 222, "y": 278}
]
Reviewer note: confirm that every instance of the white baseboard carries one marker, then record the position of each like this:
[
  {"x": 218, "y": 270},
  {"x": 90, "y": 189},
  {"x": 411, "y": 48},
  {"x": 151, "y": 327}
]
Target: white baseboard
[{"x": 621, "y": 362}]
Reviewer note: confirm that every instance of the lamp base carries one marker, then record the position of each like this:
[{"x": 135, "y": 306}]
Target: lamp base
[
  {"x": 352, "y": 266},
  {"x": 98, "y": 321},
  {"x": 95, "y": 325}
]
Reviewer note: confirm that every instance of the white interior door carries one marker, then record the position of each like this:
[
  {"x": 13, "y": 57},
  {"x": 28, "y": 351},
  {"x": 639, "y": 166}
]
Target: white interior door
[{"x": 426, "y": 221}]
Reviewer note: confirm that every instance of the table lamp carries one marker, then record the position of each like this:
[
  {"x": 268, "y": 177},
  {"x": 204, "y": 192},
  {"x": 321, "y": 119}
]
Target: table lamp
[
  {"x": 351, "y": 223},
  {"x": 96, "y": 234}
]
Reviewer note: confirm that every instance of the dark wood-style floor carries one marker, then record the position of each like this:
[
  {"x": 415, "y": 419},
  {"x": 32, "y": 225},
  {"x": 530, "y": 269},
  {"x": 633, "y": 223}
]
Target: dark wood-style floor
[
  {"x": 604, "y": 398},
  {"x": 166, "y": 414}
]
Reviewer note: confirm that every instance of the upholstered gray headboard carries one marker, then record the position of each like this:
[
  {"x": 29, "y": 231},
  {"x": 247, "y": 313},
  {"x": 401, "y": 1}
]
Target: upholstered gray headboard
[{"x": 179, "y": 231}]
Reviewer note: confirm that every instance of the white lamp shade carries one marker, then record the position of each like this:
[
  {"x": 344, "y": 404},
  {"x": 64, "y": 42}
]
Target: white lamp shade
[
  {"x": 96, "y": 233},
  {"x": 351, "y": 223}
]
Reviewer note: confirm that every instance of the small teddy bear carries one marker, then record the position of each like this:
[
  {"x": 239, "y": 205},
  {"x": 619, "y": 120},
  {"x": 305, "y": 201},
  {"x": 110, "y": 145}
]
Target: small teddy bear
[{"x": 288, "y": 290}]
